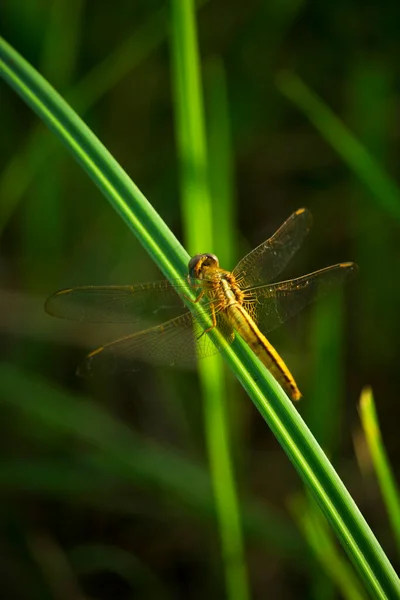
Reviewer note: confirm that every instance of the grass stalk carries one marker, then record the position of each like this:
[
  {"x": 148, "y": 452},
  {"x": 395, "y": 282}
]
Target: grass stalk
[{"x": 196, "y": 200}]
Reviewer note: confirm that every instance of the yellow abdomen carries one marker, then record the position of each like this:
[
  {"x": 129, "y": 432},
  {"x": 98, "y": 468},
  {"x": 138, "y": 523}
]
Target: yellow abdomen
[{"x": 247, "y": 328}]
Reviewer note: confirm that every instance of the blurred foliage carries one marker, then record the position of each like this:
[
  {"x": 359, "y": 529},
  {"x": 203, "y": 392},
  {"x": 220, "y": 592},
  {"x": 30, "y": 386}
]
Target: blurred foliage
[{"x": 106, "y": 498}]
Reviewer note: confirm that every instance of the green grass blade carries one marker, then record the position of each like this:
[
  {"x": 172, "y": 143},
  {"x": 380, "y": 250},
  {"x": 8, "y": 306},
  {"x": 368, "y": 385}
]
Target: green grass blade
[
  {"x": 358, "y": 158},
  {"x": 384, "y": 473},
  {"x": 196, "y": 200},
  {"x": 273, "y": 404}
]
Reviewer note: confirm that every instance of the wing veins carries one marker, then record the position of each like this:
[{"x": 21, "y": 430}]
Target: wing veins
[
  {"x": 271, "y": 305},
  {"x": 266, "y": 261}
]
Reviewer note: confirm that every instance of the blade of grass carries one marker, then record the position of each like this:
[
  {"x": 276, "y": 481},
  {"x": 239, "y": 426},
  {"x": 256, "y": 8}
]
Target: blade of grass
[
  {"x": 273, "y": 404},
  {"x": 225, "y": 233},
  {"x": 198, "y": 226},
  {"x": 358, "y": 158},
  {"x": 384, "y": 473}
]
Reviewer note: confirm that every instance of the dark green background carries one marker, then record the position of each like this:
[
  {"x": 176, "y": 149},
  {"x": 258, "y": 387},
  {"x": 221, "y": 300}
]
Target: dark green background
[{"x": 73, "y": 515}]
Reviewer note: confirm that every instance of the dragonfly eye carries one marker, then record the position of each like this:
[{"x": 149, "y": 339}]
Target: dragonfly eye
[{"x": 198, "y": 262}]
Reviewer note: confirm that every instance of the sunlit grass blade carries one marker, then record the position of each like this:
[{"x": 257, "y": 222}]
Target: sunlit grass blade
[
  {"x": 389, "y": 488},
  {"x": 199, "y": 227},
  {"x": 275, "y": 407},
  {"x": 318, "y": 536},
  {"x": 352, "y": 151}
]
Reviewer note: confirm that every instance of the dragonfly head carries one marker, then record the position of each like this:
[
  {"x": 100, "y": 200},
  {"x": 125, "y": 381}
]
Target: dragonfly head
[{"x": 200, "y": 264}]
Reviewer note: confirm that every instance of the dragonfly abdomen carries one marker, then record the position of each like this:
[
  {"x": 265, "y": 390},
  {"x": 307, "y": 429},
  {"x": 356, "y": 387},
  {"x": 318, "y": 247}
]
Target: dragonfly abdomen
[{"x": 246, "y": 327}]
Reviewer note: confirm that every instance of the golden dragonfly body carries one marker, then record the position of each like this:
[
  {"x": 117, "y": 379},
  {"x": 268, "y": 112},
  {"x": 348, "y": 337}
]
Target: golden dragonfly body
[
  {"x": 238, "y": 302},
  {"x": 236, "y": 305}
]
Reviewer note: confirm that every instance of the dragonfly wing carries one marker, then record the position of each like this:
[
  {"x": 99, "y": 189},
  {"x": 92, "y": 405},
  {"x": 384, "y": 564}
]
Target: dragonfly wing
[
  {"x": 180, "y": 341},
  {"x": 116, "y": 304},
  {"x": 271, "y": 305},
  {"x": 267, "y": 260}
]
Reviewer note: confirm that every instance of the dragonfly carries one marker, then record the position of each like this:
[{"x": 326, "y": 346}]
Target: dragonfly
[{"x": 240, "y": 302}]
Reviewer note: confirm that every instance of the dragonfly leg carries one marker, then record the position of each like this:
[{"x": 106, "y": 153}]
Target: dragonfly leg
[
  {"x": 198, "y": 298},
  {"x": 214, "y": 321}
]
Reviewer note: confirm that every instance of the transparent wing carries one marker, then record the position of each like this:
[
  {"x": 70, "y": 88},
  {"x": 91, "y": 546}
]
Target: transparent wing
[
  {"x": 271, "y": 305},
  {"x": 266, "y": 261},
  {"x": 116, "y": 304},
  {"x": 180, "y": 341}
]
